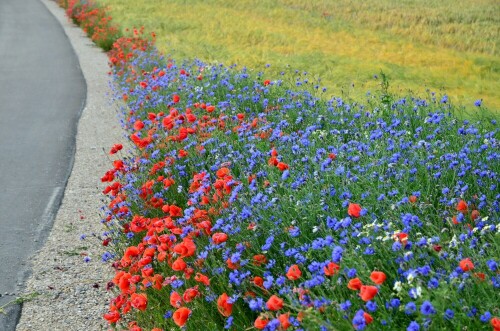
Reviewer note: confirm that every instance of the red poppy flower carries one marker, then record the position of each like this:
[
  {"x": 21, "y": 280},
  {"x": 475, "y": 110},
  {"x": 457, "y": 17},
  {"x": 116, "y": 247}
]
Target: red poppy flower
[
  {"x": 231, "y": 265},
  {"x": 354, "y": 284},
  {"x": 474, "y": 214},
  {"x": 368, "y": 318},
  {"x": 260, "y": 323},
  {"x": 378, "y": 277},
  {"x": 112, "y": 317},
  {"x": 354, "y": 210},
  {"x": 115, "y": 148},
  {"x": 437, "y": 248},
  {"x": 179, "y": 264},
  {"x": 285, "y": 321},
  {"x": 219, "y": 237},
  {"x": 190, "y": 294},
  {"x": 124, "y": 282},
  {"x": 267, "y": 82},
  {"x": 200, "y": 278},
  {"x": 274, "y": 303},
  {"x": 222, "y": 172},
  {"x": 293, "y": 272},
  {"x": 368, "y": 292},
  {"x": 181, "y": 316},
  {"x": 412, "y": 199},
  {"x": 462, "y": 206},
  {"x": 259, "y": 281},
  {"x": 401, "y": 237},
  {"x": 259, "y": 259},
  {"x": 176, "y": 98},
  {"x": 282, "y": 166},
  {"x": 130, "y": 252},
  {"x": 331, "y": 269},
  {"x": 175, "y": 299},
  {"x": 138, "y": 125},
  {"x": 175, "y": 211},
  {"x": 186, "y": 248},
  {"x": 480, "y": 275},
  {"x": 495, "y": 323},
  {"x": 224, "y": 307},
  {"x": 466, "y": 265},
  {"x": 139, "y": 301}
]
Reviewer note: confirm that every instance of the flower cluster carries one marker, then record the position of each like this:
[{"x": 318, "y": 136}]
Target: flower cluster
[
  {"x": 248, "y": 203},
  {"x": 256, "y": 203},
  {"x": 94, "y": 21}
]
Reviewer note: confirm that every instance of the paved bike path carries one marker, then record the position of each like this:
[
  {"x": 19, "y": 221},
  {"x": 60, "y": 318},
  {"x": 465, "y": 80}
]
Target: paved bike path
[{"x": 42, "y": 93}]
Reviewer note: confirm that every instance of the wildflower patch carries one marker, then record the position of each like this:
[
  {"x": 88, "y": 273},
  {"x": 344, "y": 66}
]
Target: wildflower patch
[{"x": 250, "y": 203}]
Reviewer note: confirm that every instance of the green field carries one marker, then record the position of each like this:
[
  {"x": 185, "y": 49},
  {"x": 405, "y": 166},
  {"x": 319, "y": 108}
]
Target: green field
[{"x": 443, "y": 46}]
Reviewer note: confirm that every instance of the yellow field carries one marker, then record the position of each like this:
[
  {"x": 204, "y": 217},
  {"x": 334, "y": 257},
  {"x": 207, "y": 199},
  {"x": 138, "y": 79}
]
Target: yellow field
[{"x": 446, "y": 46}]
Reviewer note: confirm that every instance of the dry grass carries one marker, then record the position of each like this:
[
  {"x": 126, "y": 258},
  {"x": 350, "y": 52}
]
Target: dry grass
[{"x": 440, "y": 45}]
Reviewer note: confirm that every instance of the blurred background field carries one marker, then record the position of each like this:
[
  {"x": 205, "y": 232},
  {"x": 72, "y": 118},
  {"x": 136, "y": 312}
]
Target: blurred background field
[{"x": 447, "y": 46}]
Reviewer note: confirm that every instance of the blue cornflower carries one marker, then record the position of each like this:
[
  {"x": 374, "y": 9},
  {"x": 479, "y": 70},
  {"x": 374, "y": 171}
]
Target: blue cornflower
[
  {"x": 229, "y": 322},
  {"x": 395, "y": 303},
  {"x": 492, "y": 265},
  {"x": 371, "y": 306},
  {"x": 177, "y": 283},
  {"x": 413, "y": 326},
  {"x": 351, "y": 273},
  {"x": 410, "y": 308},
  {"x": 449, "y": 314},
  {"x": 294, "y": 232},
  {"x": 485, "y": 318},
  {"x": 86, "y": 259},
  {"x": 285, "y": 175},
  {"x": 106, "y": 256},
  {"x": 345, "y": 305},
  {"x": 268, "y": 282},
  {"x": 359, "y": 321},
  {"x": 274, "y": 324},
  {"x": 413, "y": 293},
  {"x": 168, "y": 314},
  {"x": 433, "y": 283},
  {"x": 396, "y": 246},
  {"x": 427, "y": 308},
  {"x": 478, "y": 103},
  {"x": 256, "y": 304},
  {"x": 337, "y": 254}
]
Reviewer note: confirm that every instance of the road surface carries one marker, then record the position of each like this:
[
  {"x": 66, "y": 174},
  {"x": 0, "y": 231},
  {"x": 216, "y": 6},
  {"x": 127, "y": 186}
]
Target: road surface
[{"x": 42, "y": 92}]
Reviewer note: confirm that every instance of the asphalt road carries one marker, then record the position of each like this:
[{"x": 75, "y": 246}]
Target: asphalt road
[{"x": 42, "y": 93}]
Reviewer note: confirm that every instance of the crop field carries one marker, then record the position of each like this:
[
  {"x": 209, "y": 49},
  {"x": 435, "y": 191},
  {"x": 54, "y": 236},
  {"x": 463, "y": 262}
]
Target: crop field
[{"x": 420, "y": 45}]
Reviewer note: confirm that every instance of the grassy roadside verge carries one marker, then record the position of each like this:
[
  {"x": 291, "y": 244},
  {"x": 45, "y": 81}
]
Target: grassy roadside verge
[{"x": 250, "y": 202}]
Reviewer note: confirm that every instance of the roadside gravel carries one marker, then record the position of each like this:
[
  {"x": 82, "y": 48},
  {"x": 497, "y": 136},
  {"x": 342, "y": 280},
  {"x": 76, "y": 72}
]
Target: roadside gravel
[{"x": 72, "y": 293}]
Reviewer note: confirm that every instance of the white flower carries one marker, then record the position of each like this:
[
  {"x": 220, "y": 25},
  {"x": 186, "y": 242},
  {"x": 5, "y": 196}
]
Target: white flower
[
  {"x": 419, "y": 291},
  {"x": 410, "y": 277},
  {"x": 453, "y": 241},
  {"x": 398, "y": 286}
]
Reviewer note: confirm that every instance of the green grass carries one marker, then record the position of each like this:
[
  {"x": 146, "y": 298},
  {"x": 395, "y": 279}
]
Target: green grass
[{"x": 420, "y": 45}]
